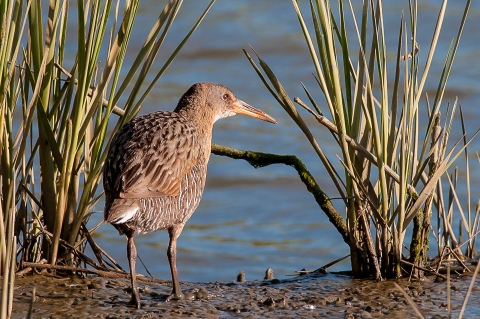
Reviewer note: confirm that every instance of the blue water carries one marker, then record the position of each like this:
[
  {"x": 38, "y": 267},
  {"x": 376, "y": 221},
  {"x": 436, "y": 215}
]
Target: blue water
[{"x": 252, "y": 219}]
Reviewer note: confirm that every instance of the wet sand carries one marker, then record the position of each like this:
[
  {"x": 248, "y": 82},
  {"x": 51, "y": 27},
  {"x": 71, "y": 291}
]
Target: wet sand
[{"x": 309, "y": 296}]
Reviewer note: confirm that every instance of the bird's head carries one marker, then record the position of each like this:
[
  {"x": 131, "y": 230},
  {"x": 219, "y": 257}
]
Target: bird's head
[{"x": 217, "y": 101}]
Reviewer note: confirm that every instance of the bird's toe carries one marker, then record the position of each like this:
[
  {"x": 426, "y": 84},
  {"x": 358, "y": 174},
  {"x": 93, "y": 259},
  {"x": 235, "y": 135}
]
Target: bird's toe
[
  {"x": 175, "y": 296},
  {"x": 135, "y": 301}
]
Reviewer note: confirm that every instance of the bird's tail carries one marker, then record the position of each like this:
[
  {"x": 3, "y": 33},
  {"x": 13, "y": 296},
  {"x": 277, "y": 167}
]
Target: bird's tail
[{"x": 121, "y": 210}]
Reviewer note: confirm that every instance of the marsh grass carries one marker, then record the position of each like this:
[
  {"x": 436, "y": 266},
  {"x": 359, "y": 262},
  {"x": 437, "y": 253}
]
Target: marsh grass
[
  {"x": 51, "y": 162},
  {"x": 395, "y": 175}
]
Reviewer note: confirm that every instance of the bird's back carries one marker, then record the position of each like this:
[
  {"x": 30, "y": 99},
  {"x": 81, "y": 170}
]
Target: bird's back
[{"x": 154, "y": 173}]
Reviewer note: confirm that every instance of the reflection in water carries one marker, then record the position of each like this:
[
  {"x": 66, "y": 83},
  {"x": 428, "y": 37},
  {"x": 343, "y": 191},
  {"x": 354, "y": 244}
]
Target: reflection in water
[{"x": 253, "y": 219}]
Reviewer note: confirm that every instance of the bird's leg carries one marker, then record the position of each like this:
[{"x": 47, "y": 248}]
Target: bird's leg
[
  {"x": 132, "y": 258},
  {"x": 174, "y": 232}
]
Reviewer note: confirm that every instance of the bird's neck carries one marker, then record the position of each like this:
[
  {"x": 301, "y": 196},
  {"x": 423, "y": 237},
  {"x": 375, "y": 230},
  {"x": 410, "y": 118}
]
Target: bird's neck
[
  {"x": 203, "y": 121},
  {"x": 190, "y": 107},
  {"x": 203, "y": 124},
  {"x": 204, "y": 140}
]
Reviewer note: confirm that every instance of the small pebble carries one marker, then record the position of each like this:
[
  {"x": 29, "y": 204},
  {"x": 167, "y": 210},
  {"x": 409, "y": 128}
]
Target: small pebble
[
  {"x": 96, "y": 285},
  {"x": 144, "y": 289},
  {"x": 202, "y": 294},
  {"x": 331, "y": 299},
  {"x": 189, "y": 296},
  {"x": 233, "y": 308},
  {"x": 304, "y": 272},
  {"x": 317, "y": 300},
  {"x": 282, "y": 302},
  {"x": 269, "y": 302},
  {"x": 269, "y": 274},
  {"x": 241, "y": 276},
  {"x": 339, "y": 302}
]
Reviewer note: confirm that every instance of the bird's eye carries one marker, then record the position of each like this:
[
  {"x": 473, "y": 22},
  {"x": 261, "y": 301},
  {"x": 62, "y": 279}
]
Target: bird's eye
[{"x": 225, "y": 97}]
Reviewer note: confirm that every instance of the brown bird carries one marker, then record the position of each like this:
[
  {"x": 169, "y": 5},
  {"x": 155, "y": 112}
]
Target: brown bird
[{"x": 156, "y": 168}]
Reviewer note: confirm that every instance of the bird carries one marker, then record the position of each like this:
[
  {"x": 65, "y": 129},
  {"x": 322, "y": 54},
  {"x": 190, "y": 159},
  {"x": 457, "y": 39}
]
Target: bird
[{"x": 156, "y": 166}]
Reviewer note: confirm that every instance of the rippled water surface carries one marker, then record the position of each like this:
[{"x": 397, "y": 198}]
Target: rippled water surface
[{"x": 251, "y": 219}]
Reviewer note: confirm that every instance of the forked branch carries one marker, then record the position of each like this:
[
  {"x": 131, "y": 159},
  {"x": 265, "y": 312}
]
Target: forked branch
[{"x": 257, "y": 160}]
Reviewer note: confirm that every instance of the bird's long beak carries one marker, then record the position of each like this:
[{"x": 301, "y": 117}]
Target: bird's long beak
[{"x": 241, "y": 107}]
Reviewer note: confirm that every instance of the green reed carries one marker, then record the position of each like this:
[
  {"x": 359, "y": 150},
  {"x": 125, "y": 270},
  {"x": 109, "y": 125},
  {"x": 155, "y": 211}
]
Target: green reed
[
  {"x": 55, "y": 110},
  {"x": 393, "y": 173}
]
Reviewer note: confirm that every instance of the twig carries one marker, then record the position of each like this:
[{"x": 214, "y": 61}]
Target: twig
[
  {"x": 469, "y": 291},
  {"x": 24, "y": 271},
  {"x": 102, "y": 273},
  {"x": 113, "y": 263},
  {"x": 444, "y": 254},
  {"x": 465, "y": 267},
  {"x": 369, "y": 243},
  {"x": 468, "y": 239},
  {"x": 79, "y": 254},
  {"x": 424, "y": 269},
  {"x": 93, "y": 245},
  {"x": 440, "y": 261},
  {"x": 30, "y": 310},
  {"x": 330, "y": 264},
  {"x": 257, "y": 160},
  {"x": 302, "y": 272},
  {"x": 144, "y": 266},
  {"x": 410, "y": 301},
  {"x": 449, "y": 301}
]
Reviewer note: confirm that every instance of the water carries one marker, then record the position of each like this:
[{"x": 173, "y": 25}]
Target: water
[{"x": 251, "y": 219}]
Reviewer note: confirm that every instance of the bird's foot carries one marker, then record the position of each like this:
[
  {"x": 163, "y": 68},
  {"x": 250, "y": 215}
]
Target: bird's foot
[
  {"x": 135, "y": 299},
  {"x": 175, "y": 296}
]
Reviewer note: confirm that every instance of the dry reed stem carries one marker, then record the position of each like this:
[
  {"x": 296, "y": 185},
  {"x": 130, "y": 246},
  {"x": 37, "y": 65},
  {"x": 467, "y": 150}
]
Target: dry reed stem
[
  {"x": 30, "y": 310},
  {"x": 410, "y": 301},
  {"x": 424, "y": 269},
  {"x": 469, "y": 291},
  {"x": 101, "y": 273}
]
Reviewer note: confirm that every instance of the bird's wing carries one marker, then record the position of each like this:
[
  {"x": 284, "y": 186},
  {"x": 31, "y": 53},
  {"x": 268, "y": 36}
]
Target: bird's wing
[{"x": 150, "y": 156}]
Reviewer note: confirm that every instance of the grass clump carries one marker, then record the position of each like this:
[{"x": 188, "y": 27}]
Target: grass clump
[
  {"x": 393, "y": 176},
  {"x": 57, "y": 96}
]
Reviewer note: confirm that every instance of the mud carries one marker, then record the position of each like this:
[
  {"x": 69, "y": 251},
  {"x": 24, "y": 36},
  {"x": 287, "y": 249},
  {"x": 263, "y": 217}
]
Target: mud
[{"x": 309, "y": 296}]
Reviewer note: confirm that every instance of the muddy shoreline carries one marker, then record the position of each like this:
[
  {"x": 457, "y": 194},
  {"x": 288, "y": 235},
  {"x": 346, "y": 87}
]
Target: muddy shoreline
[{"x": 309, "y": 296}]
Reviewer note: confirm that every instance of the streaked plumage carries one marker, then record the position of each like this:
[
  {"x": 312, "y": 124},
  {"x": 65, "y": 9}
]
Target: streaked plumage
[{"x": 156, "y": 167}]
